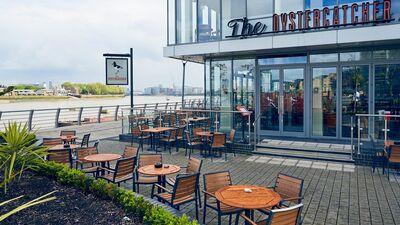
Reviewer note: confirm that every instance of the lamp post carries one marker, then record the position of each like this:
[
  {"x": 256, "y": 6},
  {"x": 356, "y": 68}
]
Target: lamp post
[{"x": 183, "y": 81}]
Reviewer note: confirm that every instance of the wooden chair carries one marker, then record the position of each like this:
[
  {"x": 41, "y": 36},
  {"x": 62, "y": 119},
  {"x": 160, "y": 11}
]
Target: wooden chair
[
  {"x": 85, "y": 140},
  {"x": 195, "y": 131},
  {"x": 68, "y": 133},
  {"x": 50, "y": 142},
  {"x": 138, "y": 135},
  {"x": 184, "y": 191},
  {"x": 180, "y": 137},
  {"x": 231, "y": 141},
  {"x": 124, "y": 171},
  {"x": 212, "y": 183},
  {"x": 62, "y": 156},
  {"x": 393, "y": 157},
  {"x": 287, "y": 216},
  {"x": 130, "y": 151},
  {"x": 191, "y": 144},
  {"x": 145, "y": 160},
  {"x": 218, "y": 143},
  {"x": 169, "y": 140},
  {"x": 80, "y": 162},
  {"x": 193, "y": 166}
]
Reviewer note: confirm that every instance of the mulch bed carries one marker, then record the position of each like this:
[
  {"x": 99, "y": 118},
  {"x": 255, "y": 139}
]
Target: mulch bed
[{"x": 71, "y": 206}]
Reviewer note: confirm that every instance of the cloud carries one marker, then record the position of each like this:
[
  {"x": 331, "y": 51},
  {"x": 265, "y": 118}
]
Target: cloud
[{"x": 46, "y": 40}]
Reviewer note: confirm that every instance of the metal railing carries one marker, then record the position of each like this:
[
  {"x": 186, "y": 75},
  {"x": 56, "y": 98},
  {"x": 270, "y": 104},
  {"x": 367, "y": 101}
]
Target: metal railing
[{"x": 62, "y": 117}]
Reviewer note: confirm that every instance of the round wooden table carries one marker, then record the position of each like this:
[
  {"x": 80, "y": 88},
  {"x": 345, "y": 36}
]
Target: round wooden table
[
  {"x": 161, "y": 173},
  {"x": 102, "y": 158},
  {"x": 61, "y": 147},
  {"x": 258, "y": 198}
]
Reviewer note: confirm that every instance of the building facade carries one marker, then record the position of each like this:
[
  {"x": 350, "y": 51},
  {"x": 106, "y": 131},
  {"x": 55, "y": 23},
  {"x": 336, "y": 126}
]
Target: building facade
[{"x": 305, "y": 67}]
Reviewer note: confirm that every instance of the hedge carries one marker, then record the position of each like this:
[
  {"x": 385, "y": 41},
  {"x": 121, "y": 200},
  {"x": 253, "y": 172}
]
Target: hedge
[{"x": 151, "y": 214}]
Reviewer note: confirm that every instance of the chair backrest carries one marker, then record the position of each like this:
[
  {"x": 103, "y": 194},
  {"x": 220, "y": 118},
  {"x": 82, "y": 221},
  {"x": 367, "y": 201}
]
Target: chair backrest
[
  {"x": 218, "y": 140},
  {"x": 289, "y": 187},
  {"x": 130, "y": 151},
  {"x": 185, "y": 187},
  {"x": 215, "y": 181},
  {"x": 289, "y": 215},
  {"x": 149, "y": 159},
  {"x": 194, "y": 166},
  {"x": 135, "y": 131},
  {"x": 124, "y": 167},
  {"x": 232, "y": 135},
  {"x": 85, "y": 140},
  {"x": 67, "y": 133},
  {"x": 181, "y": 131},
  {"x": 60, "y": 156},
  {"x": 144, "y": 127},
  {"x": 394, "y": 152},
  {"x": 196, "y": 130},
  {"x": 83, "y": 152},
  {"x": 52, "y": 141},
  {"x": 172, "y": 134}
]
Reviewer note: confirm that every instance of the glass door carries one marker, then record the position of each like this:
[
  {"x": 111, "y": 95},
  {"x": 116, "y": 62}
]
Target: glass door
[{"x": 282, "y": 101}]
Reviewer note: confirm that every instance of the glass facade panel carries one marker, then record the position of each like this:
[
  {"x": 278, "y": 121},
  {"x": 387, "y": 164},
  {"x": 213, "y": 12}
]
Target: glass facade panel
[
  {"x": 354, "y": 56},
  {"x": 316, "y": 4},
  {"x": 293, "y": 100},
  {"x": 186, "y": 21},
  {"x": 207, "y": 84},
  {"x": 283, "y": 6},
  {"x": 209, "y": 24},
  {"x": 221, "y": 72},
  {"x": 282, "y": 60},
  {"x": 269, "y": 99},
  {"x": 387, "y": 54},
  {"x": 324, "y": 101},
  {"x": 355, "y": 80},
  {"x": 259, "y": 8},
  {"x": 387, "y": 99},
  {"x": 319, "y": 58},
  {"x": 232, "y": 9},
  {"x": 171, "y": 22}
]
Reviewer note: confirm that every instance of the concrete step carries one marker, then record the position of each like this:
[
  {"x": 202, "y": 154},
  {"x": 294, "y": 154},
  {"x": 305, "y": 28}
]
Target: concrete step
[
  {"x": 311, "y": 155},
  {"x": 306, "y": 147}
]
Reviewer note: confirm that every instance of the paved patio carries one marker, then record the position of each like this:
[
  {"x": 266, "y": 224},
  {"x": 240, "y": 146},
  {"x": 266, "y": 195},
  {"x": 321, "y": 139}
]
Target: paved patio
[{"x": 333, "y": 193}]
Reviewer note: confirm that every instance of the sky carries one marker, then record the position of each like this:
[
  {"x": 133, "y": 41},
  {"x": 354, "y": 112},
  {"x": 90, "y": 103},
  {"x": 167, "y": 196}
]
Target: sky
[{"x": 63, "y": 40}]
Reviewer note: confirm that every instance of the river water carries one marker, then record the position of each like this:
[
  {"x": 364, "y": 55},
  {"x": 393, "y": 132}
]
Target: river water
[{"x": 85, "y": 102}]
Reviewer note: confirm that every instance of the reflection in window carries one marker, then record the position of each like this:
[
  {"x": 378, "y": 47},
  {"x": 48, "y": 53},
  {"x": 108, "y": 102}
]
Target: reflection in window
[
  {"x": 324, "y": 102},
  {"x": 209, "y": 20},
  {"x": 232, "y": 9},
  {"x": 282, "y": 60},
  {"x": 221, "y": 72},
  {"x": 259, "y": 8},
  {"x": 354, "y": 56},
  {"x": 207, "y": 84},
  {"x": 312, "y": 4},
  {"x": 332, "y": 57},
  {"x": 171, "y": 22},
  {"x": 186, "y": 21},
  {"x": 387, "y": 54},
  {"x": 283, "y": 6},
  {"x": 387, "y": 98}
]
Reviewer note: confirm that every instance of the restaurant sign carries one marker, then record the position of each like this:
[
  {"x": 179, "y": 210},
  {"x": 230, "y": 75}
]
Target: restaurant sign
[
  {"x": 329, "y": 17},
  {"x": 116, "y": 71}
]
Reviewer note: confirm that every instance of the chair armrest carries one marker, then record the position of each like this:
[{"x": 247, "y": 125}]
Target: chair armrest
[
  {"x": 294, "y": 198},
  {"x": 248, "y": 219},
  {"x": 208, "y": 193},
  {"x": 165, "y": 189},
  {"x": 107, "y": 169}
]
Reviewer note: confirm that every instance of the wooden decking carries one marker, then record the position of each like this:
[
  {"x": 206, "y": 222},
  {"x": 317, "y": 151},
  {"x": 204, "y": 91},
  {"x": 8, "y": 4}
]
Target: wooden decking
[{"x": 331, "y": 196}]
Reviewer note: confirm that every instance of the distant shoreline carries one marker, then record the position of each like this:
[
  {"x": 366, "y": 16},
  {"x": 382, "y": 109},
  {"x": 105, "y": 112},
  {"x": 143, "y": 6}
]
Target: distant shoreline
[{"x": 36, "y": 97}]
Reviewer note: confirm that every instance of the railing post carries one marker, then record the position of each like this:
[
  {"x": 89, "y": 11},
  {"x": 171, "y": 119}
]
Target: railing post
[
  {"x": 249, "y": 122},
  {"x": 386, "y": 128},
  {"x": 176, "y": 105},
  {"x": 57, "y": 117},
  {"x": 166, "y": 106},
  {"x": 80, "y": 115},
  {"x": 359, "y": 134},
  {"x": 99, "y": 114},
  {"x": 352, "y": 136},
  {"x": 1, "y": 113},
  {"x": 116, "y": 113},
  {"x": 123, "y": 121},
  {"x": 30, "y": 119},
  {"x": 155, "y": 107}
]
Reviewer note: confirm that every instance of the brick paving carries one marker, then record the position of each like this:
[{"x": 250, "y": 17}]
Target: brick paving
[{"x": 333, "y": 193}]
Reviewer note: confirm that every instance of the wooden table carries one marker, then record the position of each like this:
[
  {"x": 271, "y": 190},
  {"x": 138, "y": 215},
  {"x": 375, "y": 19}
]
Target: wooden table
[
  {"x": 61, "y": 147},
  {"x": 153, "y": 132},
  {"x": 161, "y": 173},
  {"x": 258, "y": 198},
  {"x": 68, "y": 138},
  {"x": 102, "y": 158}
]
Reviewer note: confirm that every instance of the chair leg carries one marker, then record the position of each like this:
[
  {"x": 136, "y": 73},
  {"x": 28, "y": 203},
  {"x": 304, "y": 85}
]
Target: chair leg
[
  {"x": 152, "y": 191},
  {"x": 219, "y": 219},
  {"x": 237, "y": 219},
  {"x": 204, "y": 211},
  {"x": 197, "y": 210},
  {"x": 186, "y": 149},
  {"x": 198, "y": 194}
]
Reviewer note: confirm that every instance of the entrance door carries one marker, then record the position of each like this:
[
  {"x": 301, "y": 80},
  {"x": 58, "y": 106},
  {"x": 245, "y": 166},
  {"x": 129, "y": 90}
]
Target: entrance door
[{"x": 282, "y": 101}]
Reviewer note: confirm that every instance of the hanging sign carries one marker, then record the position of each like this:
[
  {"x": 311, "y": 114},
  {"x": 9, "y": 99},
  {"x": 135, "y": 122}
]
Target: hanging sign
[{"x": 116, "y": 71}]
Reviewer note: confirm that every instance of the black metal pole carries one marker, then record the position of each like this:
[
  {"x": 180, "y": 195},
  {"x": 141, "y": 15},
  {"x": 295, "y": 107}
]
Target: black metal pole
[
  {"x": 131, "y": 87},
  {"x": 183, "y": 81}
]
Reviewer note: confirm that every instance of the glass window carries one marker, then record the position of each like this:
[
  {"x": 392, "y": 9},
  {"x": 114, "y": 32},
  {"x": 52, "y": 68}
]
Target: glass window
[
  {"x": 282, "y": 60},
  {"x": 387, "y": 54},
  {"x": 317, "y": 4},
  {"x": 209, "y": 24},
  {"x": 354, "y": 56},
  {"x": 186, "y": 21},
  {"x": 207, "y": 82},
  {"x": 319, "y": 58},
  {"x": 269, "y": 99},
  {"x": 285, "y": 6},
  {"x": 221, "y": 72},
  {"x": 232, "y": 9},
  {"x": 324, "y": 102},
  {"x": 396, "y": 10},
  {"x": 259, "y": 8},
  {"x": 293, "y": 100},
  {"x": 171, "y": 22}
]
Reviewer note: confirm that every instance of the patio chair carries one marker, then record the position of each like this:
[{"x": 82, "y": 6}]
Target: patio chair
[
  {"x": 180, "y": 137},
  {"x": 195, "y": 131},
  {"x": 231, "y": 141},
  {"x": 145, "y": 160},
  {"x": 218, "y": 143},
  {"x": 169, "y": 140},
  {"x": 50, "y": 142},
  {"x": 287, "y": 216},
  {"x": 212, "y": 183},
  {"x": 184, "y": 191},
  {"x": 68, "y": 133},
  {"x": 80, "y": 162},
  {"x": 85, "y": 140},
  {"x": 124, "y": 171},
  {"x": 289, "y": 188},
  {"x": 193, "y": 166},
  {"x": 191, "y": 144},
  {"x": 393, "y": 158},
  {"x": 62, "y": 156},
  {"x": 138, "y": 135},
  {"x": 130, "y": 151}
]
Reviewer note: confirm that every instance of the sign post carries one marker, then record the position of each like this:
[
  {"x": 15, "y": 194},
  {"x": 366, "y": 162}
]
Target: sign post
[{"x": 117, "y": 70}]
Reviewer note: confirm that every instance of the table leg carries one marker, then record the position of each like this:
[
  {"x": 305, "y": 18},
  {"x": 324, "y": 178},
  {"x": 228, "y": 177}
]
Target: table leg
[
  {"x": 103, "y": 165},
  {"x": 160, "y": 182},
  {"x": 249, "y": 214}
]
